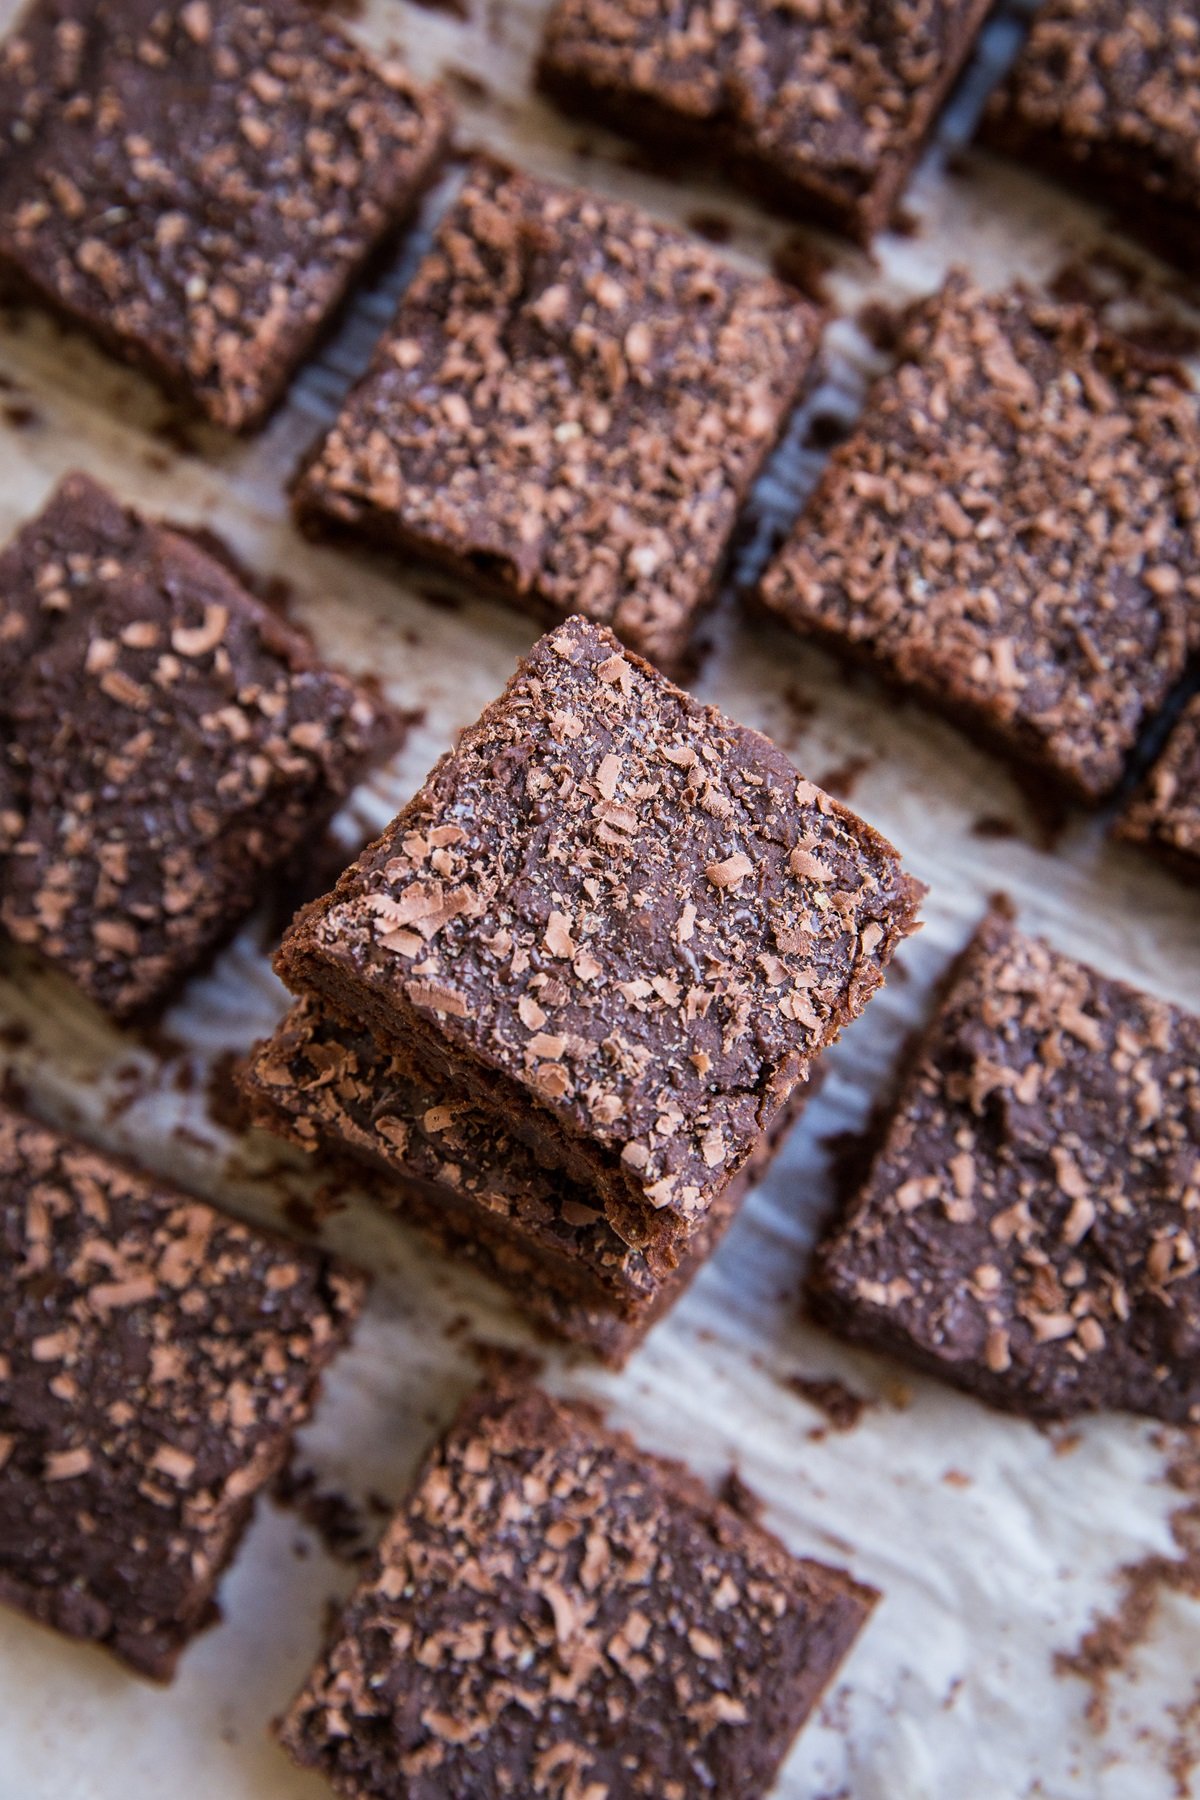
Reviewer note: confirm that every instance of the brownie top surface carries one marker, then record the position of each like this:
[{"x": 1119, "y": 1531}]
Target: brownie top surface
[
  {"x": 1030, "y": 1219},
  {"x": 571, "y": 400},
  {"x": 1014, "y": 525},
  {"x": 837, "y": 88},
  {"x": 553, "y": 1613},
  {"x": 333, "y": 1079},
  {"x": 1116, "y": 82},
  {"x": 166, "y": 740},
  {"x": 632, "y": 907},
  {"x": 1166, "y": 810},
  {"x": 198, "y": 180},
  {"x": 154, "y": 1355}
]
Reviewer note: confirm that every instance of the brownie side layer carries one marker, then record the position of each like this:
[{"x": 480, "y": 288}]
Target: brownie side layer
[
  {"x": 623, "y": 921},
  {"x": 155, "y": 1359},
  {"x": 198, "y": 186},
  {"x": 554, "y": 1612},
  {"x": 1027, "y": 1227},
  {"x": 453, "y": 1169},
  {"x": 168, "y": 743}
]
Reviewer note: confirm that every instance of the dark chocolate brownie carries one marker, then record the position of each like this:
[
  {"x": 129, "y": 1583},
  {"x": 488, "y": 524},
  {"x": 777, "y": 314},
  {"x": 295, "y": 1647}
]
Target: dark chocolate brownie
[
  {"x": 1164, "y": 815},
  {"x": 1028, "y": 1228},
  {"x": 554, "y": 1614},
  {"x": 155, "y": 1358},
  {"x": 1013, "y": 532},
  {"x": 571, "y": 403},
  {"x": 453, "y": 1168},
  {"x": 1106, "y": 95},
  {"x": 167, "y": 743},
  {"x": 198, "y": 185},
  {"x": 618, "y": 918},
  {"x": 824, "y": 106}
]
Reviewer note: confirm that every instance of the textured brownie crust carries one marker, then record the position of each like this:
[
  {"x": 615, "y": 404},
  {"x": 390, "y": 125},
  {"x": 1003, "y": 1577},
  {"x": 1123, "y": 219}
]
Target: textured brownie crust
[
  {"x": 155, "y": 1358},
  {"x": 1106, "y": 95},
  {"x": 1027, "y": 1230},
  {"x": 619, "y": 918},
  {"x": 198, "y": 185},
  {"x": 1164, "y": 816},
  {"x": 167, "y": 742},
  {"x": 1013, "y": 532},
  {"x": 553, "y": 1613},
  {"x": 825, "y": 106},
  {"x": 572, "y": 403},
  {"x": 453, "y": 1168}
]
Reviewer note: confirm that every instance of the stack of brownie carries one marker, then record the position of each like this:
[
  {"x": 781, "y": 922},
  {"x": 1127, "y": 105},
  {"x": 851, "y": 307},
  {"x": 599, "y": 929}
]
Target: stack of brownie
[{"x": 571, "y": 998}]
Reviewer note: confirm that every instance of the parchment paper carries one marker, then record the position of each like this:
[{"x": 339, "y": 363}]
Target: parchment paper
[{"x": 995, "y": 1543}]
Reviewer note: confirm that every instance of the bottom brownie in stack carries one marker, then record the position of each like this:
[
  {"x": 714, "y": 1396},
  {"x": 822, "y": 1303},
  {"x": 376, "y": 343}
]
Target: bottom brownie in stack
[
  {"x": 455, "y": 1170},
  {"x": 569, "y": 1002}
]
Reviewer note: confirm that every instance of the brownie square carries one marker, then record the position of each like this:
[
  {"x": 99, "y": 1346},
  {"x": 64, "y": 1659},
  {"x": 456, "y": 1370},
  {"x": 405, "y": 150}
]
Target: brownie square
[
  {"x": 824, "y": 107},
  {"x": 198, "y": 186},
  {"x": 1106, "y": 96},
  {"x": 618, "y": 918},
  {"x": 168, "y": 743},
  {"x": 571, "y": 404},
  {"x": 554, "y": 1613},
  {"x": 1164, "y": 815},
  {"x": 1028, "y": 1227},
  {"x": 1013, "y": 533},
  {"x": 452, "y": 1167},
  {"x": 155, "y": 1359}
]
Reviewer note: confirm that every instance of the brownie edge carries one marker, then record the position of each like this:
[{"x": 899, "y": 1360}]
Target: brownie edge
[{"x": 553, "y": 1613}]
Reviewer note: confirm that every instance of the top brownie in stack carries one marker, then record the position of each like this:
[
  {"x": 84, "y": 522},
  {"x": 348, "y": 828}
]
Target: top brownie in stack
[
  {"x": 1106, "y": 95},
  {"x": 621, "y": 921},
  {"x": 571, "y": 403},
  {"x": 823, "y": 106},
  {"x": 167, "y": 742},
  {"x": 198, "y": 185},
  {"x": 1013, "y": 532}
]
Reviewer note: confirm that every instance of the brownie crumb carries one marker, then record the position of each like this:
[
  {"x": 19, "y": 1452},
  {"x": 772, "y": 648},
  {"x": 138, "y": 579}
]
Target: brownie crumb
[
  {"x": 741, "y": 1498},
  {"x": 1108, "y": 1645},
  {"x": 842, "y": 779},
  {"x": 799, "y": 262},
  {"x": 333, "y": 1516},
  {"x": 716, "y": 227},
  {"x": 842, "y": 1407}
]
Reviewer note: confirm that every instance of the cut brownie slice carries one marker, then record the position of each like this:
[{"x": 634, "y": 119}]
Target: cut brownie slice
[
  {"x": 824, "y": 106},
  {"x": 571, "y": 403},
  {"x": 620, "y": 920},
  {"x": 1106, "y": 96},
  {"x": 1164, "y": 815},
  {"x": 1028, "y": 1228},
  {"x": 554, "y": 1613},
  {"x": 198, "y": 185},
  {"x": 168, "y": 742},
  {"x": 453, "y": 1168},
  {"x": 155, "y": 1359},
  {"x": 1013, "y": 532}
]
